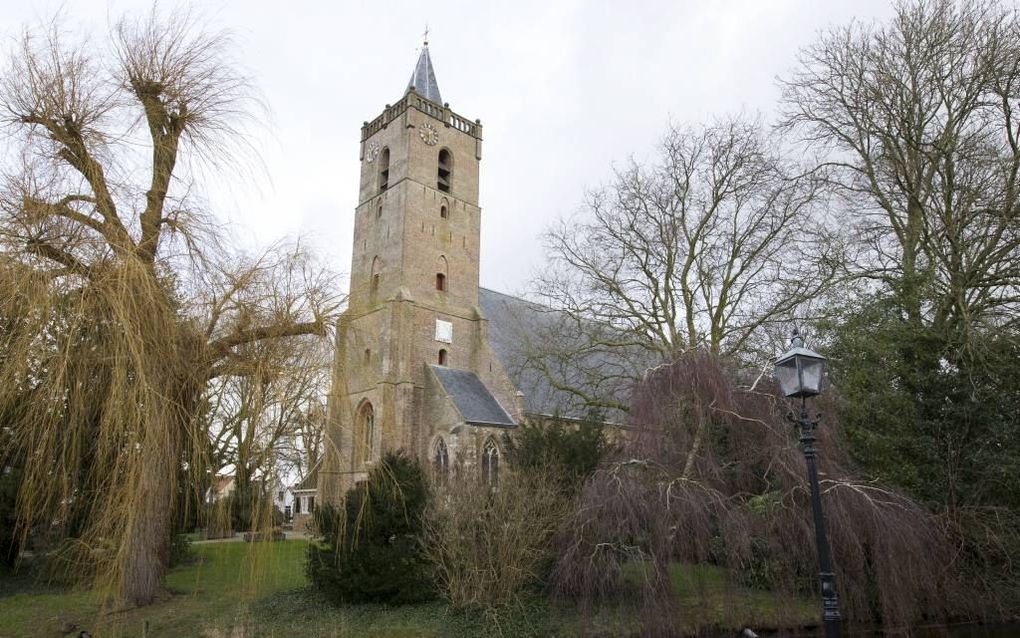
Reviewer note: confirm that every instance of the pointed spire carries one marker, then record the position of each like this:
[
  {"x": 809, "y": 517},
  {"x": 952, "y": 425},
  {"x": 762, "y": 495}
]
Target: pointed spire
[{"x": 423, "y": 80}]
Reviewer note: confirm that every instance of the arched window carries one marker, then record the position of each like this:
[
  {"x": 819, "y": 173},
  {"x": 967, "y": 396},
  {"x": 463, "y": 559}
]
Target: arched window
[
  {"x": 490, "y": 462},
  {"x": 384, "y": 169},
  {"x": 376, "y": 272},
  {"x": 444, "y": 177},
  {"x": 441, "y": 269},
  {"x": 444, "y": 358},
  {"x": 444, "y": 209},
  {"x": 378, "y": 211},
  {"x": 440, "y": 459},
  {"x": 364, "y": 439}
]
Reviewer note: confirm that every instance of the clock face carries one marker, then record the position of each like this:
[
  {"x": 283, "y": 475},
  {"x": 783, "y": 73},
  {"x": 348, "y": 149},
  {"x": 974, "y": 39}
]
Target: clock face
[
  {"x": 428, "y": 134},
  {"x": 372, "y": 152}
]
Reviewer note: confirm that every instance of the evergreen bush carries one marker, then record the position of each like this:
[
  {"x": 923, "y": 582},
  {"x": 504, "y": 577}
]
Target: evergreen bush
[{"x": 371, "y": 549}]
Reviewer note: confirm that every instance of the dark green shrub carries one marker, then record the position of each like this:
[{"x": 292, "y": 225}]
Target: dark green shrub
[
  {"x": 372, "y": 549},
  {"x": 570, "y": 452},
  {"x": 180, "y": 550}
]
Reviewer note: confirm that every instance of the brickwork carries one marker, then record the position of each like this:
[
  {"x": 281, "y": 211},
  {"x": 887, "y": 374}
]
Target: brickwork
[{"x": 387, "y": 339}]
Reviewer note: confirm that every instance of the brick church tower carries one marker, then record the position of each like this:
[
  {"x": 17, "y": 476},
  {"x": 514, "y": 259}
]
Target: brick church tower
[{"x": 414, "y": 369}]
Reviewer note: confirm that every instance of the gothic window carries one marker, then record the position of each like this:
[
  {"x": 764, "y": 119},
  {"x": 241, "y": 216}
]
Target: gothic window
[
  {"x": 443, "y": 357},
  {"x": 444, "y": 178},
  {"x": 444, "y": 209},
  {"x": 440, "y": 459},
  {"x": 440, "y": 281},
  {"x": 490, "y": 463},
  {"x": 384, "y": 169},
  {"x": 365, "y": 435},
  {"x": 376, "y": 272}
]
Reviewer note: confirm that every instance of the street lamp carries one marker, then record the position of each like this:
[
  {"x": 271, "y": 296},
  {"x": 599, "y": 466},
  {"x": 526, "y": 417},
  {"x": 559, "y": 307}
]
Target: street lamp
[{"x": 800, "y": 372}]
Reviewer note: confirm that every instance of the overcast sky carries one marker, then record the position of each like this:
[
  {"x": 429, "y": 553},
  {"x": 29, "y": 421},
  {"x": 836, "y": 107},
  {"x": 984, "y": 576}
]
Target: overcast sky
[{"x": 563, "y": 88}]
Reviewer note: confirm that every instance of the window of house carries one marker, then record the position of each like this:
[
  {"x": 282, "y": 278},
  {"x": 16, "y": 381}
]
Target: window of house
[
  {"x": 297, "y": 505},
  {"x": 440, "y": 281},
  {"x": 444, "y": 177},
  {"x": 444, "y": 212},
  {"x": 311, "y": 504},
  {"x": 384, "y": 169},
  {"x": 490, "y": 463},
  {"x": 443, "y": 357}
]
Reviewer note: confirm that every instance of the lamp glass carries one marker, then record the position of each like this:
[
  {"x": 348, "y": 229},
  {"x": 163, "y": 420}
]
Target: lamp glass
[
  {"x": 788, "y": 377},
  {"x": 812, "y": 372},
  {"x": 800, "y": 371}
]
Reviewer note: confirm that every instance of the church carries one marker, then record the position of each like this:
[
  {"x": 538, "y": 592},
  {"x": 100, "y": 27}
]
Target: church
[{"x": 427, "y": 361}]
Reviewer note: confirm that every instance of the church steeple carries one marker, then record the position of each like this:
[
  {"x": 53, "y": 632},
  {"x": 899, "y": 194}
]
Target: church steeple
[{"x": 423, "y": 80}]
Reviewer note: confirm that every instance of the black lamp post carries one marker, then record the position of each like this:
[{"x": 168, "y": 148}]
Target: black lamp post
[{"x": 800, "y": 371}]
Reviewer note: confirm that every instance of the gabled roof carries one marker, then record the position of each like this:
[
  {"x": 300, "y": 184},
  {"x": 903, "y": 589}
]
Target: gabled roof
[
  {"x": 473, "y": 400},
  {"x": 544, "y": 352},
  {"x": 310, "y": 481},
  {"x": 423, "y": 79}
]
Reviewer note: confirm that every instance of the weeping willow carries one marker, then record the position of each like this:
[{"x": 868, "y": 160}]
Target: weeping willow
[{"x": 119, "y": 302}]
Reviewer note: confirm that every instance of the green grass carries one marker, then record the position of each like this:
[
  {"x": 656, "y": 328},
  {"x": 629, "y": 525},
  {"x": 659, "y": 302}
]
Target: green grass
[
  {"x": 239, "y": 590},
  {"x": 709, "y": 600}
]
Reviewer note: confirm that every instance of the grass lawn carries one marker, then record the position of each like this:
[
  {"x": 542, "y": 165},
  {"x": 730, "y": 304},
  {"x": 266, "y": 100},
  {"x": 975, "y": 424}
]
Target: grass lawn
[
  {"x": 232, "y": 590},
  {"x": 240, "y": 590}
]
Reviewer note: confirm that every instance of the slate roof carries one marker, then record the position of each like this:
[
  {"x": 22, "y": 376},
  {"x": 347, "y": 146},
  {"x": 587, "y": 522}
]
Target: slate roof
[
  {"x": 423, "y": 79},
  {"x": 473, "y": 400},
  {"x": 310, "y": 481},
  {"x": 534, "y": 343}
]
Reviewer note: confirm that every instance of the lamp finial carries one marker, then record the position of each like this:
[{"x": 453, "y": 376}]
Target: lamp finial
[{"x": 796, "y": 341}]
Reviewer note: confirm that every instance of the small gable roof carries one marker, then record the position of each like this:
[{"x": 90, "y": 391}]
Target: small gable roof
[
  {"x": 472, "y": 399},
  {"x": 310, "y": 481}
]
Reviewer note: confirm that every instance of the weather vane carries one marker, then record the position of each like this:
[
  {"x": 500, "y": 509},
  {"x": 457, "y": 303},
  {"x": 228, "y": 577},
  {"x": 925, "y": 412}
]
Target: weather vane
[{"x": 425, "y": 36}]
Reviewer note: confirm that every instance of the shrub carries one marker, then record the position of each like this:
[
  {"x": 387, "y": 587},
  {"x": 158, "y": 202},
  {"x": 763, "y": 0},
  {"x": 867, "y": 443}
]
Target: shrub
[
  {"x": 570, "y": 452},
  {"x": 180, "y": 550},
  {"x": 489, "y": 547},
  {"x": 371, "y": 550}
]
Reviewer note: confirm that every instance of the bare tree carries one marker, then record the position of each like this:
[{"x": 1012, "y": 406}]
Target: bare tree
[
  {"x": 100, "y": 213},
  {"x": 303, "y": 449},
  {"x": 918, "y": 120},
  {"x": 710, "y": 246},
  {"x": 263, "y": 421},
  {"x": 917, "y": 123}
]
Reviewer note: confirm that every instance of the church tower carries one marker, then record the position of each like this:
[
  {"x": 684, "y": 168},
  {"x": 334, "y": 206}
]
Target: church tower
[{"x": 414, "y": 369}]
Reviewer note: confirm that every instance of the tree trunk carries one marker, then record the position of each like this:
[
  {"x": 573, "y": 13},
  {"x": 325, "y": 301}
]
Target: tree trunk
[{"x": 147, "y": 533}]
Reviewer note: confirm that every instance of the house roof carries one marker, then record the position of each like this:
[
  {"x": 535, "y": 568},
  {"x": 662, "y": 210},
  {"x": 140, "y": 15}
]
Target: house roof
[
  {"x": 547, "y": 354},
  {"x": 423, "y": 79},
  {"x": 473, "y": 400},
  {"x": 310, "y": 480}
]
